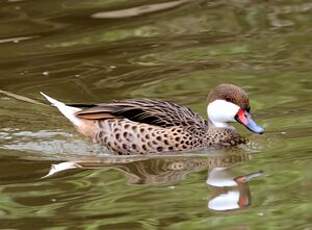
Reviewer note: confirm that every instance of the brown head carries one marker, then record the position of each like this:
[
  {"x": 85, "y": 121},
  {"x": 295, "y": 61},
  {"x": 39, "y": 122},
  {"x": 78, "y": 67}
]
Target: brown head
[
  {"x": 230, "y": 103},
  {"x": 230, "y": 93}
]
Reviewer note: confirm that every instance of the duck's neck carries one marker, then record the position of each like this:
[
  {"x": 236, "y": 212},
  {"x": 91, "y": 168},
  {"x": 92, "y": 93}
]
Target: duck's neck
[{"x": 218, "y": 124}]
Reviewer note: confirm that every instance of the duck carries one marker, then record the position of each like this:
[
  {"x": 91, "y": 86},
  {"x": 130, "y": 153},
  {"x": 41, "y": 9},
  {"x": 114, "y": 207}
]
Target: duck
[{"x": 151, "y": 126}]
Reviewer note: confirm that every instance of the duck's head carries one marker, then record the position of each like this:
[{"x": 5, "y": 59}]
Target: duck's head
[{"x": 229, "y": 103}]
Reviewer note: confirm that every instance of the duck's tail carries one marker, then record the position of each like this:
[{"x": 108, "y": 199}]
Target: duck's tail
[{"x": 67, "y": 111}]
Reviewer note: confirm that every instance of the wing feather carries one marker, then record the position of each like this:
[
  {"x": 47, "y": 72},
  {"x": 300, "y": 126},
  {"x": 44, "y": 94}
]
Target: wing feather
[{"x": 154, "y": 112}]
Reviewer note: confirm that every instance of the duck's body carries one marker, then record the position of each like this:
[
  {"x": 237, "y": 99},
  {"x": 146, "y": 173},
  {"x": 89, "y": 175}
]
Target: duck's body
[{"x": 151, "y": 126}]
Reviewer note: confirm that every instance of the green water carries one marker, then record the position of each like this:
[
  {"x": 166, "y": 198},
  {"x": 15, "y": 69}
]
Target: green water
[{"x": 96, "y": 51}]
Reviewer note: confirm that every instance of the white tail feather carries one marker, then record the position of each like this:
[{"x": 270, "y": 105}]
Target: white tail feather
[{"x": 67, "y": 111}]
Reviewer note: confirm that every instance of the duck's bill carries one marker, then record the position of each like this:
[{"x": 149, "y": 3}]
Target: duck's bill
[{"x": 245, "y": 119}]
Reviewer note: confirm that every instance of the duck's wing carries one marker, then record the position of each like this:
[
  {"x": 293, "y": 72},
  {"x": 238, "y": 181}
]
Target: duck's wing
[{"x": 154, "y": 112}]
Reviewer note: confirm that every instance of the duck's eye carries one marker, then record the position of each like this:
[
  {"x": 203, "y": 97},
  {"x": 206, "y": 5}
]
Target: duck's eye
[{"x": 228, "y": 99}]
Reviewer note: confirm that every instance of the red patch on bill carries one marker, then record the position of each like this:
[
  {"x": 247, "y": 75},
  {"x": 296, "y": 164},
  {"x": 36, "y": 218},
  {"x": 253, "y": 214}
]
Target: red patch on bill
[{"x": 242, "y": 117}]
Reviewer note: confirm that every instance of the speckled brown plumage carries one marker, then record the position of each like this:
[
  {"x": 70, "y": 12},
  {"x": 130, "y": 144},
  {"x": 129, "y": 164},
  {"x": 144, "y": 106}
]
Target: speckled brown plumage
[{"x": 153, "y": 126}]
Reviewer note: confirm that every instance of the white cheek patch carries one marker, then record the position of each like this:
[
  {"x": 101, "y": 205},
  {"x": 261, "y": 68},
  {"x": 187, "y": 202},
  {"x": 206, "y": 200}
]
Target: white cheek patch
[{"x": 220, "y": 112}]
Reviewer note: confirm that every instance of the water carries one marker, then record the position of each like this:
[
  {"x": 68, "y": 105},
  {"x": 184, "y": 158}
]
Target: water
[{"x": 93, "y": 51}]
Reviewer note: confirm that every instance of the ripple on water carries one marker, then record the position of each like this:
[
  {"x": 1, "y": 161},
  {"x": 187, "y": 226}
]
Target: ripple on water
[{"x": 48, "y": 143}]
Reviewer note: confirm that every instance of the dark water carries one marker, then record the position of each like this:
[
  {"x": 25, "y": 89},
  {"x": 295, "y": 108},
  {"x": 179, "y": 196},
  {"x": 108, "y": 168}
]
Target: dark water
[{"x": 93, "y": 51}]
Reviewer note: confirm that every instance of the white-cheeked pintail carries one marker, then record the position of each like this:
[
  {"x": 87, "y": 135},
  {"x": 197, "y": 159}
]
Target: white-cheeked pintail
[{"x": 142, "y": 126}]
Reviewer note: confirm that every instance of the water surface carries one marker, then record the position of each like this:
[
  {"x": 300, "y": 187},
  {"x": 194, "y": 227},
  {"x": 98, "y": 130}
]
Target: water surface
[{"x": 94, "y": 51}]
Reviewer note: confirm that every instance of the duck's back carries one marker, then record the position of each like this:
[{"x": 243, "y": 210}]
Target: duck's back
[{"x": 153, "y": 112}]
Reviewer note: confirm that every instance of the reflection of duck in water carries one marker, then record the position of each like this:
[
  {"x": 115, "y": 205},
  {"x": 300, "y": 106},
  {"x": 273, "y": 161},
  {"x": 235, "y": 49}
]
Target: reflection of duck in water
[
  {"x": 230, "y": 192},
  {"x": 152, "y": 126},
  {"x": 172, "y": 169},
  {"x": 156, "y": 170}
]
